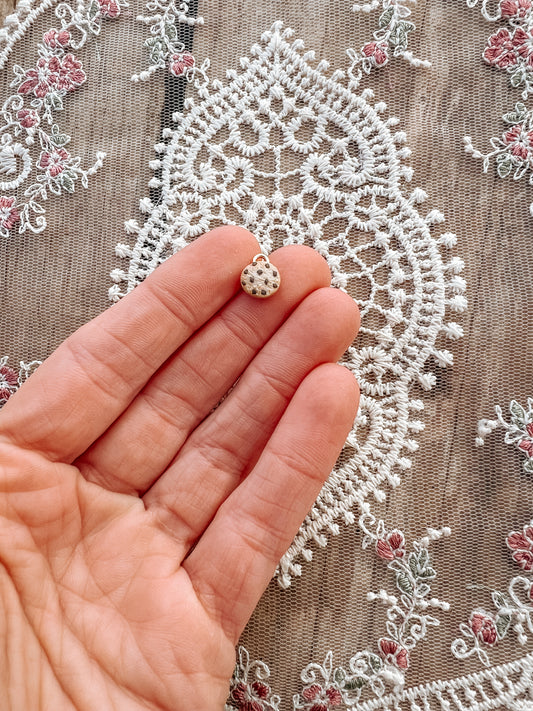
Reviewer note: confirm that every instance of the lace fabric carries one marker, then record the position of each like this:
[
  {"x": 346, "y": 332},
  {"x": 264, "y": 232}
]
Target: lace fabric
[{"x": 340, "y": 125}]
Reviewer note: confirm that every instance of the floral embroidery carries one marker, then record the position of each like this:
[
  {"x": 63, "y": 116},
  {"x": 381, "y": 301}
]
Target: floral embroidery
[
  {"x": 164, "y": 45},
  {"x": 29, "y": 118},
  {"x": 249, "y": 689},
  {"x": 519, "y": 431},
  {"x": 407, "y": 624},
  {"x": 9, "y": 214},
  {"x": 390, "y": 39},
  {"x": 513, "y": 609},
  {"x": 392, "y": 546},
  {"x": 11, "y": 379},
  {"x": 522, "y": 546},
  {"x": 348, "y": 199},
  {"x": 511, "y": 48}
]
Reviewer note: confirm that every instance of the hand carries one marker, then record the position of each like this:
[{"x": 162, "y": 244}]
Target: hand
[{"x": 139, "y": 525}]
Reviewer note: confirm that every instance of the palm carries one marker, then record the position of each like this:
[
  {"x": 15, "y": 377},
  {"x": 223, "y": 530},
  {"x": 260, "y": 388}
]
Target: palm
[{"x": 138, "y": 527}]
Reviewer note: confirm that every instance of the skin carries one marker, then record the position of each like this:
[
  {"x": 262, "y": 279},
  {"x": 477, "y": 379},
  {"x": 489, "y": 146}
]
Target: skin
[{"x": 139, "y": 525}]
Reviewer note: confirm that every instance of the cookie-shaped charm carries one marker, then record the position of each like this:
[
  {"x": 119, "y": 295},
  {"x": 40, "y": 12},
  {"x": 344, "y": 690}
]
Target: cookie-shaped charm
[{"x": 260, "y": 278}]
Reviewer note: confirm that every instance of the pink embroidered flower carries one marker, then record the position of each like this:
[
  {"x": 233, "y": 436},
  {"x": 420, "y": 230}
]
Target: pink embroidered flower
[
  {"x": 28, "y": 118},
  {"x": 522, "y": 546},
  {"x": 376, "y": 52},
  {"x": 53, "y": 73},
  {"x": 53, "y": 161},
  {"x": 514, "y": 8},
  {"x": 249, "y": 697},
  {"x": 9, "y": 214},
  {"x": 392, "y": 546},
  {"x": 323, "y": 698},
  {"x": 56, "y": 38},
  {"x": 71, "y": 75},
  {"x": 393, "y": 653},
  {"x": 181, "y": 64},
  {"x": 109, "y": 8},
  {"x": 527, "y": 444},
  {"x": 523, "y": 42},
  {"x": 520, "y": 141},
  {"x": 482, "y": 625},
  {"x": 501, "y": 49},
  {"x": 8, "y": 379}
]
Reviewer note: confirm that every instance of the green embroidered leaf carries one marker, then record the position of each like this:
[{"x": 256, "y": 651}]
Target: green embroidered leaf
[
  {"x": 339, "y": 675},
  {"x": 398, "y": 35},
  {"x": 504, "y": 165},
  {"x": 386, "y": 17},
  {"x": 519, "y": 114},
  {"x": 94, "y": 8},
  {"x": 428, "y": 573},
  {"x": 67, "y": 181},
  {"x": 502, "y": 625},
  {"x": 356, "y": 683},
  {"x": 528, "y": 466},
  {"x": 499, "y": 599},
  {"x": 171, "y": 31},
  {"x": 518, "y": 412},
  {"x": 404, "y": 583},
  {"x": 375, "y": 662},
  {"x": 423, "y": 590}
]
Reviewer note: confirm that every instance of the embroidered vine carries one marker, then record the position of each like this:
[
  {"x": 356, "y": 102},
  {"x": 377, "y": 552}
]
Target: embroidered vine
[
  {"x": 11, "y": 379},
  {"x": 519, "y": 430},
  {"x": 511, "y": 49},
  {"x": 165, "y": 49},
  {"x": 513, "y": 610},
  {"x": 391, "y": 39},
  {"x": 29, "y": 119}
]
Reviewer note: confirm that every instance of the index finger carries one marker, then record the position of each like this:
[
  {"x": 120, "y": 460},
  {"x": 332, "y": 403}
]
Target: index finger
[{"x": 75, "y": 395}]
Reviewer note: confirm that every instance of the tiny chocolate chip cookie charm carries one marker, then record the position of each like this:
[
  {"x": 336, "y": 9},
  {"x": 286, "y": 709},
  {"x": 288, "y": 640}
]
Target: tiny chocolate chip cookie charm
[{"x": 260, "y": 278}]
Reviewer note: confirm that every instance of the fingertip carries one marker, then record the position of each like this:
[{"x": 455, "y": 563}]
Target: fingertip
[
  {"x": 231, "y": 239},
  {"x": 340, "y": 309},
  {"x": 308, "y": 261},
  {"x": 338, "y": 392}
]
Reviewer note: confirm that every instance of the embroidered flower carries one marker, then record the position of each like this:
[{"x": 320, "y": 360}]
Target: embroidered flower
[
  {"x": 393, "y": 653},
  {"x": 53, "y": 161},
  {"x": 527, "y": 444},
  {"x": 109, "y": 8},
  {"x": 522, "y": 546},
  {"x": 523, "y": 42},
  {"x": 8, "y": 377},
  {"x": 514, "y": 8},
  {"x": 9, "y": 216},
  {"x": 392, "y": 546},
  {"x": 376, "y": 52},
  {"x": 520, "y": 141},
  {"x": 248, "y": 697},
  {"x": 56, "y": 38},
  {"x": 53, "y": 73},
  {"x": 323, "y": 698},
  {"x": 482, "y": 625},
  {"x": 28, "y": 118},
  {"x": 71, "y": 75},
  {"x": 181, "y": 64},
  {"x": 501, "y": 50}
]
